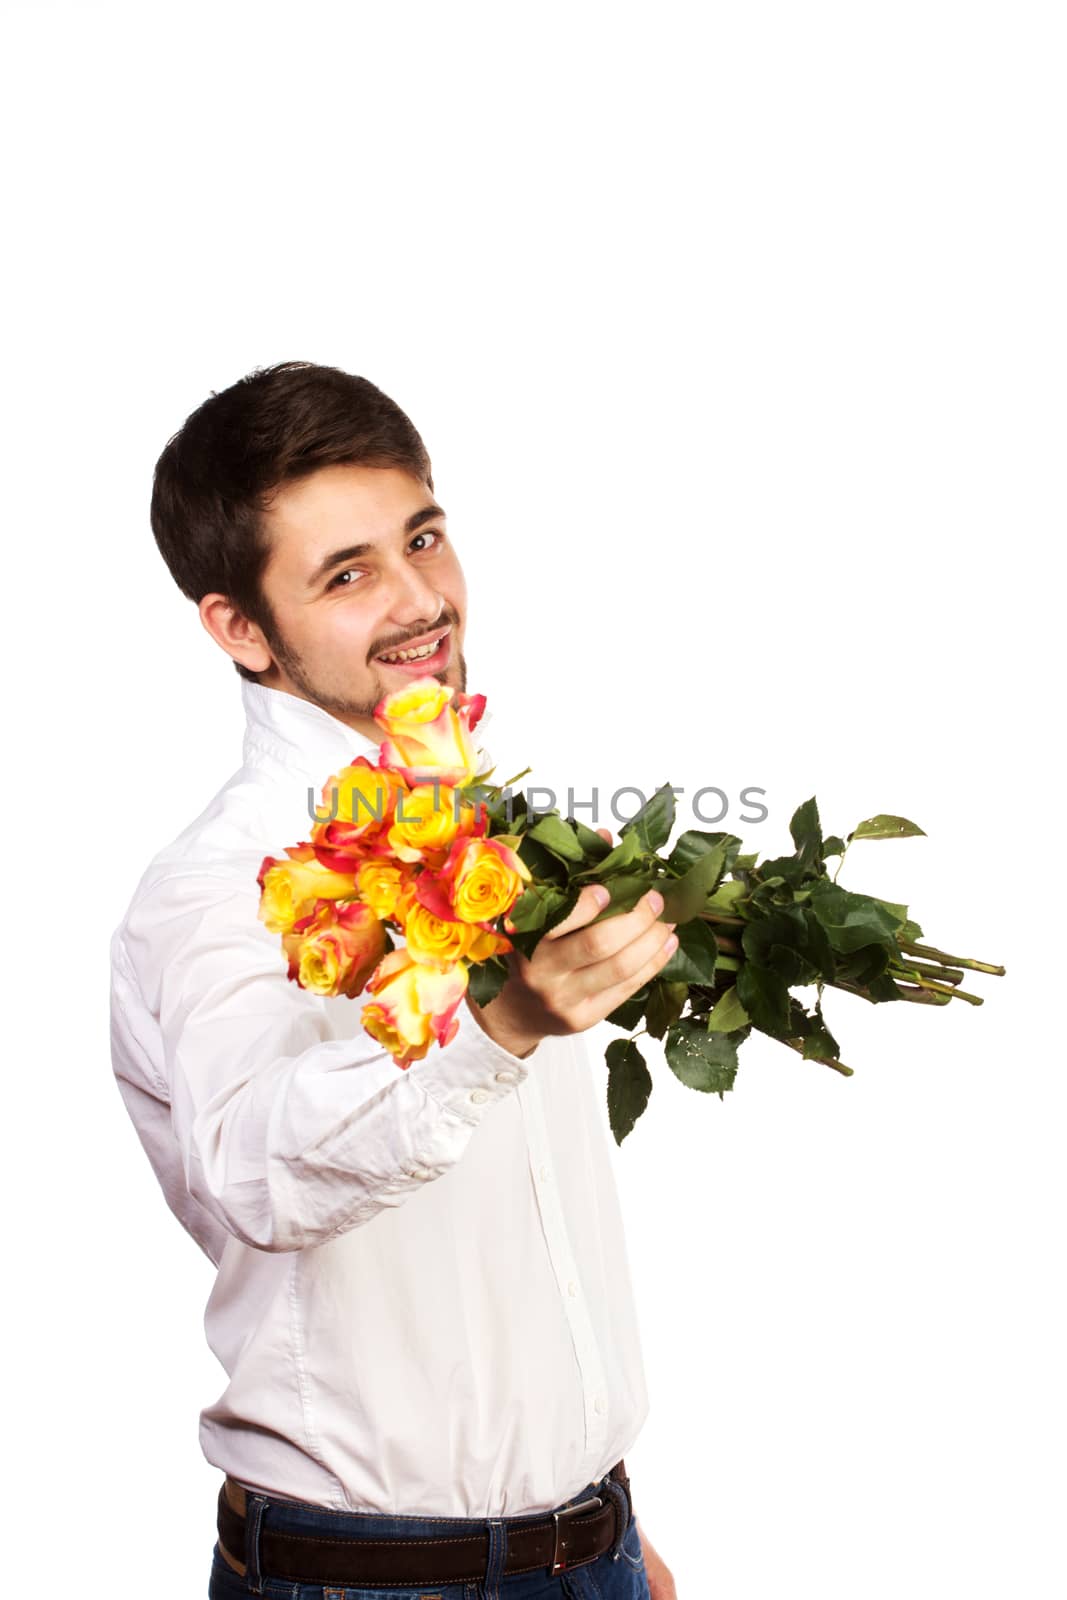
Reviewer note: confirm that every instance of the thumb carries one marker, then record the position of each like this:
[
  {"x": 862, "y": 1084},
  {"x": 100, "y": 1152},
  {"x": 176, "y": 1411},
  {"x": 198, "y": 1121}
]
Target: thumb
[{"x": 590, "y": 903}]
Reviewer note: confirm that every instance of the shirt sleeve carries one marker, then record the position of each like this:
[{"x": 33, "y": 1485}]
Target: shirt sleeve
[{"x": 289, "y": 1134}]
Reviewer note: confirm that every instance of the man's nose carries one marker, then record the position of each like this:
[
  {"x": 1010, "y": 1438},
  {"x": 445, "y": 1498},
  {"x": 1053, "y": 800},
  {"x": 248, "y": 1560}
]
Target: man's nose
[{"x": 414, "y": 600}]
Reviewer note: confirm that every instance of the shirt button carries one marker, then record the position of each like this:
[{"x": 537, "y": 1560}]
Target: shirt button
[
  {"x": 572, "y": 1287},
  {"x": 544, "y": 1172},
  {"x": 599, "y": 1406},
  {"x": 478, "y": 1095},
  {"x": 505, "y": 1077}
]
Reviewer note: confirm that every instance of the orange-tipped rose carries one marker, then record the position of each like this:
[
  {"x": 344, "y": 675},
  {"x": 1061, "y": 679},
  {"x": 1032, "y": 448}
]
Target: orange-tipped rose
[
  {"x": 289, "y": 888},
  {"x": 480, "y": 880},
  {"x": 428, "y": 732},
  {"x": 427, "y": 821},
  {"x": 357, "y": 809},
  {"x": 379, "y": 883},
  {"x": 444, "y": 941},
  {"x": 335, "y": 949},
  {"x": 414, "y": 1005}
]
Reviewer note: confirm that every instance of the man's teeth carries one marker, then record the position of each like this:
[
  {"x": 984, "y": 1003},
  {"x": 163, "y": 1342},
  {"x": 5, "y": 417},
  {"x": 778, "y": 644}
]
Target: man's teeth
[{"x": 413, "y": 655}]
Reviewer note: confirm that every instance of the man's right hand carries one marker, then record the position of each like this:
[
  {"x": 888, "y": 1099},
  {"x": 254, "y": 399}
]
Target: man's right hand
[{"x": 577, "y": 973}]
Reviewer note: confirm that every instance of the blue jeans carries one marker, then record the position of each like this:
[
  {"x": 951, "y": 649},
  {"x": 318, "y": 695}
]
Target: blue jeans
[{"x": 618, "y": 1574}]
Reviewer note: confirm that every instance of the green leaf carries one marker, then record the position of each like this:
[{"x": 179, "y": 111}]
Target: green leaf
[
  {"x": 833, "y": 846},
  {"x": 626, "y": 890},
  {"x": 666, "y": 1003},
  {"x": 594, "y": 846},
  {"x": 529, "y": 910},
  {"x": 653, "y": 823},
  {"x": 629, "y": 1086},
  {"x": 543, "y": 863},
  {"x": 695, "y": 958},
  {"x": 629, "y": 1013},
  {"x": 555, "y": 835},
  {"x": 766, "y": 999},
  {"x": 806, "y": 833},
  {"x": 485, "y": 979},
  {"x": 683, "y": 898},
  {"x": 787, "y": 869},
  {"x": 692, "y": 844},
  {"x": 726, "y": 897},
  {"x": 852, "y": 920},
  {"x": 789, "y": 941},
  {"x": 701, "y": 1060},
  {"x": 624, "y": 854},
  {"x": 886, "y": 827},
  {"x": 728, "y": 1014},
  {"x": 899, "y": 913}
]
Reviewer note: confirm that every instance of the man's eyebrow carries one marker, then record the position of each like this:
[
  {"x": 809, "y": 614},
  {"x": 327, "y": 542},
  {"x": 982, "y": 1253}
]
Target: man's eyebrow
[{"x": 352, "y": 552}]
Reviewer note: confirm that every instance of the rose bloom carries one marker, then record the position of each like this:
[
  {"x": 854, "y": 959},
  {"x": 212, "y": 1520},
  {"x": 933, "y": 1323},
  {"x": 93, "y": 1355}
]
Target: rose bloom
[
  {"x": 443, "y": 941},
  {"x": 335, "y": 950},
  {"x": 479, "y": 881},
  {"x": 427, "y": 822},
  {"x": 428, "y": 727},
  {"x": 358, "y": 805},
  {"x": 414, "y": 1005},
  {"x": 289, "y": 888},
  {"x": 379, "y": 882}
]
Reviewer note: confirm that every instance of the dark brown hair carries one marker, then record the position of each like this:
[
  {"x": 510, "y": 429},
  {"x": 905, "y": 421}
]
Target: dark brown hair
[{"x": 276, "y": 424}]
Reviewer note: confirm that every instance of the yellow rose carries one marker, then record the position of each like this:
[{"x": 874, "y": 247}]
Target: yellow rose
[
  {"x": 427, "y": 822},
  {"x": 379, "y": 883},
  {"x": 335, "y": 950},
  {"x": 289, "y": 889},
  {"x": 428, "y": 732},
  {"x": 482, "y": 879},
  {"x": 414, "y": 1004},
  {"x": 435, "y": 940}
]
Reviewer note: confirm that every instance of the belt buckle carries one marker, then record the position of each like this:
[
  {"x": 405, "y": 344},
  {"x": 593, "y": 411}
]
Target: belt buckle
[{"x": 559, "y": 1563}]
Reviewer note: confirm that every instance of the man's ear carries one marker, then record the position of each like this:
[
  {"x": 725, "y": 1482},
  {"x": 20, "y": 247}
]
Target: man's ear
[{"x": 231, "y": 630}]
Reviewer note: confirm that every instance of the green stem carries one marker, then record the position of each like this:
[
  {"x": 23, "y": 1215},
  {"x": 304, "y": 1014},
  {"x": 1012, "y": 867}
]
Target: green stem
[
  {"x": 826, "y": 1061},
  {"x": 952, "y": 961},
  {"x": 923, "y": 997},
  {"x": 932, "y": 970},
  {"x": 946, "y": 988}
]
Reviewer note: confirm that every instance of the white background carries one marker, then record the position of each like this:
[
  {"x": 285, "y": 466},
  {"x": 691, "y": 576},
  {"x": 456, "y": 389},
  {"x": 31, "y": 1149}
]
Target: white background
[{"x": 736, "y": 335}]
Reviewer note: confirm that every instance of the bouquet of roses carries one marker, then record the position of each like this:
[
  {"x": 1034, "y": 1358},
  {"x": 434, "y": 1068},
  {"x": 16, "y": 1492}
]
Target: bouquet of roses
[{"x": 421, "y": 845}]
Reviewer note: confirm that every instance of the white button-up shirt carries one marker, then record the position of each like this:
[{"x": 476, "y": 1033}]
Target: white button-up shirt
[{"x": 423, "y": 1302}]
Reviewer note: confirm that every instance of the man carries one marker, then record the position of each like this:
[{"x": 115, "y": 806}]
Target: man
[{"x": 422, "y": 1301}]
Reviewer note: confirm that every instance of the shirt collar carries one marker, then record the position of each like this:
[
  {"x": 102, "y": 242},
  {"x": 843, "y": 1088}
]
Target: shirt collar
[{"x": 307, "y": 741}]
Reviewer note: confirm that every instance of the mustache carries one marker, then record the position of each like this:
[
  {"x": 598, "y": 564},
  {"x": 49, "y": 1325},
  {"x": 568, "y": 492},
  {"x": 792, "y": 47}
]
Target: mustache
[{"x": 443, "y": 621}]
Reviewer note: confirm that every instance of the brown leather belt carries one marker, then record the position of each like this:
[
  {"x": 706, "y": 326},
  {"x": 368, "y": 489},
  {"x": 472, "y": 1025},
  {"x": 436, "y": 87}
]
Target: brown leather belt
[{"x": 552, "y": 1540}]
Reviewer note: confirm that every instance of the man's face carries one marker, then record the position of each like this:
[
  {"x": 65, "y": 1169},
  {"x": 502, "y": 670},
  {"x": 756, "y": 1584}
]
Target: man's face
[{"x": 360, "y": 565}]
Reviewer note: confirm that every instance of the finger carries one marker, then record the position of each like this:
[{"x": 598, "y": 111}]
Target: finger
[
  {"x": 615, "y": 932},
  {"x": 655, "y": 960},
  {"x": 622, "y": 963},
  {"x": 588, "y": 905}
]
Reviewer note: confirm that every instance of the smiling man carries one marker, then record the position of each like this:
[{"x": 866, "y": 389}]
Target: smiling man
[{"x": 422, "y": 1303}]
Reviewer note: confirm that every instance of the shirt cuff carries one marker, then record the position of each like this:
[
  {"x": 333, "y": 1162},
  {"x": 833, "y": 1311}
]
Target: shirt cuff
[{"x": 473, "y": 1071}]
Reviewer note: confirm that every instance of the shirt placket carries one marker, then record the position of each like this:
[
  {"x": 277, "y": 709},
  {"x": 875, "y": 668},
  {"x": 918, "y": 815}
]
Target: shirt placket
[{"x": 564, "y": 1266}]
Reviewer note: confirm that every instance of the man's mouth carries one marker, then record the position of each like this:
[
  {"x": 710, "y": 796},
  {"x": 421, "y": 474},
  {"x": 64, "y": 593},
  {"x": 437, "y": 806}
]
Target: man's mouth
[{"x": 428, "y": 654}]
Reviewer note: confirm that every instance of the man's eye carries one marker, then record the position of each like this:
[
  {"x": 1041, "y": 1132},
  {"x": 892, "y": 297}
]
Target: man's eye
[
  {"x": 423, "y": 533},
  {"x": 334, "y": 582}
]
